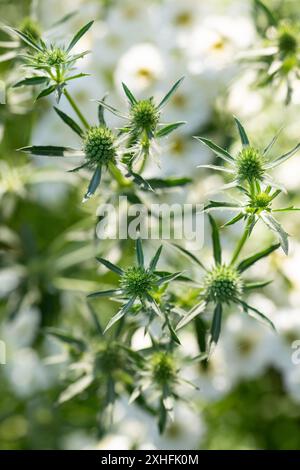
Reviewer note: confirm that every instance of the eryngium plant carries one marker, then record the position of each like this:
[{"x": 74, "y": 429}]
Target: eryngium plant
[{"x": 105, "y": 363}]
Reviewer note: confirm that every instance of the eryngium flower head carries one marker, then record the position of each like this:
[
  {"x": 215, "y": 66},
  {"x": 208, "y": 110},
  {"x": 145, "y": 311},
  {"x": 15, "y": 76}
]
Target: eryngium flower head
[
  {"x": 222, "y": 284},
  {"x": 163, "y": 368},
  {"x": 145, "y": 115},
  {"x": 99, "y": 146},
  {"x": 137, "y": 281},
  {"x": 52, "y": 57},
  {"x": 250, "y": 164},
  {"x": 261, "y": 200}
]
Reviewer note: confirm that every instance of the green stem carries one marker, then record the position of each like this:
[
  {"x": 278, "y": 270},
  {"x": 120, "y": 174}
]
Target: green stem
[
  {"x": 116, "y": 173},
  {"x": 241, "y": 242},
  {"x": 76, "y": 109}
]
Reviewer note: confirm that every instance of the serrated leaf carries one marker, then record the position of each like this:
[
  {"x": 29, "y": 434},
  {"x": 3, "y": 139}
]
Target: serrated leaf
[
  {"x": 221, "y": 205},
  {"x": 256, "y": 285},
  {"x": 111, "y": 109},
  {"x": 170, "y": 93},
  {"x": 79, "y": 35},
  {"x": 167, "y": 278}
]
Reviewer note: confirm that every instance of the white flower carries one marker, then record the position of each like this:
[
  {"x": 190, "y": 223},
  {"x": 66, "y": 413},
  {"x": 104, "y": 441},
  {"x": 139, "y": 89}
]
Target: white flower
[
  {"x": 243, "y": 99},
  {"x": 248, "y": 350},
  {"x": 214, "y": 45},
  {"x": 21, "y": 331},
  {"x": 140, "y": 68},
  {"x": 287, "y": 323},
  {"x": 26, "y": 372}
]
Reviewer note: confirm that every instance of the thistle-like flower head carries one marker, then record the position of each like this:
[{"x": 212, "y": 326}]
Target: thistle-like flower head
[
  {"x": 99, "y": 146},
  {"x": 222, "y": 284},
  {"x": 163, "y": 368},
  {"x": 139, "y": 283},
  {"x": 251, "y": 165}
]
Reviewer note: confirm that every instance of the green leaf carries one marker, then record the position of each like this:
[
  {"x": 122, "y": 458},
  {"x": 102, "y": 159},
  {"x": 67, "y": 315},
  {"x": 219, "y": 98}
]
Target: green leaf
[
  {"x": 171, "y": 182},
  {"x": 105, "y": 293},
  {"x": 271, "y": 18},
  {"x": 189, "y": 255},
  {"x": 111, "y": 109},
  {"x": 120, "y": 314},
  {"x": 95, "y": 319},
  {"x": 46, "y": 92},
  {"x": 139, "y": 180},
  {"x": 94, "y": 183},
  {"x": 246, "y": 263},
  {"x": 154, "y": 306},
  {"x": 154, "y": 260},
  {"x": 129, "y": 94},
  {"x": 253, "y": 312},
  {"x": 31, "y": 81},
  {"x": 79, "y": 35},
  {"x": 111, "y": 266},
  {"x": 283, "y": 157},
  {"x": 220, "y": 205},
  {"x": 139, "y": 252},
  {"x": 76, "y": 388},
  {"x": 193, "y": 313},
  {"x": 166, "y": 130},
  {"x": 51, "y": 151},
  {"x": 216, "y": 325},
  {"x": 172, "y": 332},
  {"x": 66, "y": 338},
  {"x": 101, "y": 118},
  {"x": 167, "y": 278},
  {"x": 286, "y": 209},
  {"x": 217, "y": 250},
  {"x": 256, "y": 285},
  {"x": 270, "y": 145},
  {"x": 169, "y": 94},
  {"x": 242, "y": 132},
  {"x": 275, "y": 226},
  {"x": 235, "y": 219},
  {"x": 200, "y": 328},
  {"x": 25, "y": 38},
  {"x": 222, "y": 153},
  {"x": 69, "y": 121}
]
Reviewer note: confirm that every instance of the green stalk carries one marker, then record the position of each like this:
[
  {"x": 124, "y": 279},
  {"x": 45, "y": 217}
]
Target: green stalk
[
  {"x": 116, "y": 173},
  {"x": 241, "y": 242},
  {"x": 76, "y": 109}
]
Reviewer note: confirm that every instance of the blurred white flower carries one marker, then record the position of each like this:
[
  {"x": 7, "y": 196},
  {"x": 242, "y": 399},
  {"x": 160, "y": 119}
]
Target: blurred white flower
[
  {"x": 21, "y": 331},
  {"x": 140, "y": 68},
  {"x": 213, "y": 46},
  {"x": 26, "y": 373},
  {"x": 248, "y": 349},
  {"x": 243, "y": 99}
]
